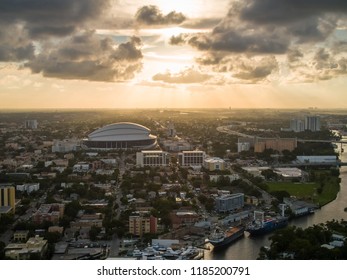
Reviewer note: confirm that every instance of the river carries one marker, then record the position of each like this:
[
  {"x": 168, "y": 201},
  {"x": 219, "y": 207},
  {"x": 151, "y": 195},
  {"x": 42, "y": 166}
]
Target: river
[{"x": 248, "y": 248}]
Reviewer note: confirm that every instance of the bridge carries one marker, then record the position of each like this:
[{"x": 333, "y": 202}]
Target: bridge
[
  {"x": 227, "y": 129},
  {"x": 323, "y": 141}
]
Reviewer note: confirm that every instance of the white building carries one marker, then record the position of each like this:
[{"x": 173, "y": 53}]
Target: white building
[
  {"x": 243, "y": 146},
  {"x": 176, "y": 145},
  {"x": 297, "y": 125},
  {"x": 191, "y": 158},
  {"x": 214, "y": 163},
  {"x": 232, "y": 177},
  {"x": 65, "y": 146},
  {"x": 81, "y": 167},
  {"x": 28, "y": 187},
  {"x": 152, "y": 158},
  {"x": 231, "y": 202}
]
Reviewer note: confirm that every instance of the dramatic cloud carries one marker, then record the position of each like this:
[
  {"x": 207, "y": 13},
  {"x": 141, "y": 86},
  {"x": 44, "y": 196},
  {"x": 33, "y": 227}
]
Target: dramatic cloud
[
  {"x": 286, "y": 11},
  {"x": 86, "y": 56},
  {"x": 254, "y": 71},
  {"x": 262, "y": 29},
  {"x": 53, "y": 17},
  {"x": 187, "y": 76},
  {"x": 15, "y": 44},
  {"x": 151, "y": 15}
]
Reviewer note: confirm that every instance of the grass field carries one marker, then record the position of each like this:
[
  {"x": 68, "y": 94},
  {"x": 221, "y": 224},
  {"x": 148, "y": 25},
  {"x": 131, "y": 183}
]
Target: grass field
[{"x": 308, "y": 191}]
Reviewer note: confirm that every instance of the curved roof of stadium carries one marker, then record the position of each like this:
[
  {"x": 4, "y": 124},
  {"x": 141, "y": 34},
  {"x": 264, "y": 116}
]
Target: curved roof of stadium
[{"x": 122, "y": 131}]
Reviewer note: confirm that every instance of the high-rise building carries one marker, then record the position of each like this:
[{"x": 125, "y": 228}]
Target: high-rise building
[
  {"x": 171, "y": 131},
  {"x": 7, "y": 198},
  {"x": 30, "y": 124},
  {"x": 312, "y": 123},
  {"x": 152, "y": 158},
  {"x": 297, "y": 125}
]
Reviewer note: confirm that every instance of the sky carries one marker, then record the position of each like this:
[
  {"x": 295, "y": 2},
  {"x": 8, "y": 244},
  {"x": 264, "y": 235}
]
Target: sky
[{"x": 173, "y": 54}]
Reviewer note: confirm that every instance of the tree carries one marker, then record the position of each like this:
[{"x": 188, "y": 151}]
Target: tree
[{"x": 93, "y": 233}]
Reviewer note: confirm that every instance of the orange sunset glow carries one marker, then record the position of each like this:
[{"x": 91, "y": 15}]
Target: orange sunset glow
[{"x": 167, "y": 54}]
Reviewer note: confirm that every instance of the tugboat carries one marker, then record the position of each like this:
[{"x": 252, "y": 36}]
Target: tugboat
[{"x": 220, "y": 238}]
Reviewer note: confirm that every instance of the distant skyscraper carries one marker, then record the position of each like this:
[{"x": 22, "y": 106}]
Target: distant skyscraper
[
  {"x": 171, "y": 131},
  {"x": 30, "y": 124},
  {"x": 297, "y": 125},
  {"x": 312, "y": 123}
]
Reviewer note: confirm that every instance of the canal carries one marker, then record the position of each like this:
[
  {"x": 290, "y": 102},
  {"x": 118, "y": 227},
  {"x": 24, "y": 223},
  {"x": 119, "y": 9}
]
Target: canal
[{"x": 248, "y": 248}]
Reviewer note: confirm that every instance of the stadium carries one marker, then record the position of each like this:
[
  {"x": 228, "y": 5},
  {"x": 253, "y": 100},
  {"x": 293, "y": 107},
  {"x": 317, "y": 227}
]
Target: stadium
[{"x": 121, "y": 136}]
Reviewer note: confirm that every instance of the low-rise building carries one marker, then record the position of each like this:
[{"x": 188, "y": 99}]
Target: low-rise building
[
  {"x": 183, "y": 218},
  {"x": 30, "y": 187},
  {"x": 35, "y": 247},
  {"x": 232, "y": 177},
  {"x": 139, "y": 225},
  {"x": 214, "y": 163},
  {"x": 152, "y": 158},
  {"x": 49, "y": 212},
  {"x": 191, "y": 158}
]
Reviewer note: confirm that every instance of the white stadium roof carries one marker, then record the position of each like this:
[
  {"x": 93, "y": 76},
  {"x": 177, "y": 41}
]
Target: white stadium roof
[{"x": 122, "y": 131}]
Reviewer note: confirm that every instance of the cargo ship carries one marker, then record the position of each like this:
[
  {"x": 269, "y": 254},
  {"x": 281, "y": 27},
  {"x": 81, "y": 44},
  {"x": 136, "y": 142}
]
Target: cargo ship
[
  {"x": 265, "y": 225},
  {"x": 222, "y": 238}
]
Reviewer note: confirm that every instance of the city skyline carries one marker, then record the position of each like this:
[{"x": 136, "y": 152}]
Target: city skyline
[{"x": 165, "y": 54}]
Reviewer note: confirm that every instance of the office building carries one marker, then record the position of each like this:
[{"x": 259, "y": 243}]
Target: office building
[
  {"x": 152, "y": 158},
  {"x": 229, "y": 203},
  {"x": 191, "y": 158}
]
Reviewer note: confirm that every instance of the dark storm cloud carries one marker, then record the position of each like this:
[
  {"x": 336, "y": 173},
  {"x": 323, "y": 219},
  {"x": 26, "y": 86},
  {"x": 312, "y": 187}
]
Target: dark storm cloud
[
  {"x": 151, "y": 15},
  {"x": 53, "y": 17},
  {"x": 286, "y": 11},
  {"x": 88, "y": 57},
  {"x": 15, "y": 44}
]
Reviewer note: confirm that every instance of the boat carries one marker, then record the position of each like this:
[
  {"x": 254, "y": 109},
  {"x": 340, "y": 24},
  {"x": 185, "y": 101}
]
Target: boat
[
  {"x": 222, "y": 238},
  {"x": 265, "y": 225}
]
